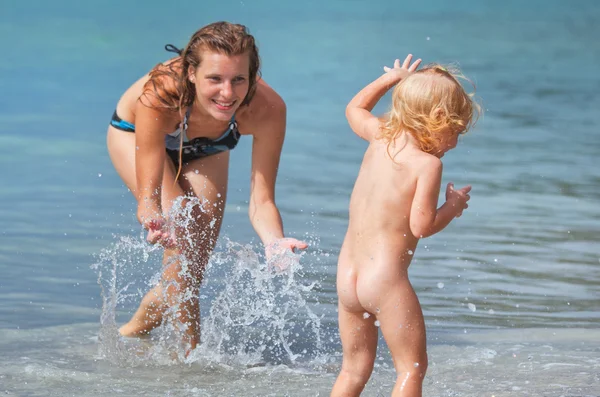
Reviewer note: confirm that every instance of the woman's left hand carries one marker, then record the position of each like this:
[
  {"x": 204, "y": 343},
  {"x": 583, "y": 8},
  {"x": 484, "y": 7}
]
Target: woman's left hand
[{"x": 281, "y": 253}]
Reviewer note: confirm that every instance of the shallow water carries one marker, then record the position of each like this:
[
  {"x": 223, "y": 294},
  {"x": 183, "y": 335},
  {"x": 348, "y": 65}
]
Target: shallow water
[{"x": 518, "y": 274}]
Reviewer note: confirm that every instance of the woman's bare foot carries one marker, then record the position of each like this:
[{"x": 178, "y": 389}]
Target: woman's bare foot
[{"x": 148, "y": 316}]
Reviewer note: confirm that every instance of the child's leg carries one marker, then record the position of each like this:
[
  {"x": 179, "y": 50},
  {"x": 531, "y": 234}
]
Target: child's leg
[
  {"x": 359, "y": 345},
  {"x": 403, "y": 328}
]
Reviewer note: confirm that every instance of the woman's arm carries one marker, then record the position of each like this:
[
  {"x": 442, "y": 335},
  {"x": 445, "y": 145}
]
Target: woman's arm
[
  {"x": 267, "y": 118},
  {"x": 266, "y": 151},
  {"x": 151, "y": 125}
]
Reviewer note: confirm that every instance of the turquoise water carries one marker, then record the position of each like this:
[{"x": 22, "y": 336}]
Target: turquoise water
[{"x": 518, "y": 274}]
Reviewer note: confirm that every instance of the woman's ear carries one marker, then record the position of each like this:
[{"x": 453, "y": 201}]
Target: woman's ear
[{"x": 192, "y": 74}]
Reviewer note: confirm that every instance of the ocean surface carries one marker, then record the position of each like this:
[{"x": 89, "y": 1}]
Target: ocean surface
[{"x": 510, "y": 290}]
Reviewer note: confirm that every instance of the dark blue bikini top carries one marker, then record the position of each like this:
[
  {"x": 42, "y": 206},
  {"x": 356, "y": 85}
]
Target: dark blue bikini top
[{"x": 202, "y": 147}]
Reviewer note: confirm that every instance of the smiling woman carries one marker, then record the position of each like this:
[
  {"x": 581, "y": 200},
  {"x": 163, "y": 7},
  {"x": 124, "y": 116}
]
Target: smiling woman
[{"x": 169, "y": 140}]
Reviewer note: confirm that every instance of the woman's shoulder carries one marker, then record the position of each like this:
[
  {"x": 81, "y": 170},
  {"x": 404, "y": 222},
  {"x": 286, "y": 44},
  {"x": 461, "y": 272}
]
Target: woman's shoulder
[
  {"x": 265, "y": 112},
  {"x": 161, "y": 88},
  {"x": 266, "y": 101}
]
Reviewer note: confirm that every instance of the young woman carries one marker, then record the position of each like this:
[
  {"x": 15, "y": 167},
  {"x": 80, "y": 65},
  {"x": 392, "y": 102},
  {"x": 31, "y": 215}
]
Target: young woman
[{"x": 170, "y": 137}]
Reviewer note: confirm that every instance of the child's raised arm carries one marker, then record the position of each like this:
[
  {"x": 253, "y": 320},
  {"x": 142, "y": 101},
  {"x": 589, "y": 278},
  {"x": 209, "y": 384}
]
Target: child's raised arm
[
  {"x": 358, "y": 111},
  {"x": 425, "y": 218}
]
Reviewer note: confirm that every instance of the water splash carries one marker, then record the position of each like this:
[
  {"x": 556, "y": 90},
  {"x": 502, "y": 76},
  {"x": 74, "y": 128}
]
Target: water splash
[{"x": 252, "y": 313}]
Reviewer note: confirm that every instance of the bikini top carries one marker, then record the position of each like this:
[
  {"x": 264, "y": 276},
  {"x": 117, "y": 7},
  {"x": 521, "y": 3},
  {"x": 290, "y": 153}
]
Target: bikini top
[{"x": 202, "y": 146}]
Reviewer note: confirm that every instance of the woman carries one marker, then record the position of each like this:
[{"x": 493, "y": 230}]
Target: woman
[{"x": 170, "y": 137}]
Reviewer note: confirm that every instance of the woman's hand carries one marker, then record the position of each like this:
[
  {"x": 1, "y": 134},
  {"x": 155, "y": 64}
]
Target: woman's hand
[
  {"x": 281, "y": 253},
  {"x": 156, "y": 224},
  {"x": 402, "y": 71}
]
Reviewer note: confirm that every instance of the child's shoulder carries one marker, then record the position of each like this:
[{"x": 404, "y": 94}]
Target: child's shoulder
[
  {"x": 429, "y": 165},
  {"x": 425, "y": 162}
]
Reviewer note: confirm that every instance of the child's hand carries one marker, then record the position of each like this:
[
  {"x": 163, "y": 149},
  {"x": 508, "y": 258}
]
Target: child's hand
[
  {"x": 281, "y": 253},
  {"x": 403, "y": 71},
  {"x": 458, "y": 198}
]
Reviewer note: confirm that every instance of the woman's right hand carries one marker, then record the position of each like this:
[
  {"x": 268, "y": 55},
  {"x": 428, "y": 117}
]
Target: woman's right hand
[{"x": 156, "y": 224}]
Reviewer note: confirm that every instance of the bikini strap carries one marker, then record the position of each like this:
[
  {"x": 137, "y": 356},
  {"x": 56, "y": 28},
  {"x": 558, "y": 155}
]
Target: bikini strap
[
  {"x": 232, "y": 122},
  {"x": 184, "y": 124}
]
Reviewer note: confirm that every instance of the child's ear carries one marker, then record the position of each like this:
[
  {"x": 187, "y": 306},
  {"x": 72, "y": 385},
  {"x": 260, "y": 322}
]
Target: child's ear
[{"x": 438, "y": 114}]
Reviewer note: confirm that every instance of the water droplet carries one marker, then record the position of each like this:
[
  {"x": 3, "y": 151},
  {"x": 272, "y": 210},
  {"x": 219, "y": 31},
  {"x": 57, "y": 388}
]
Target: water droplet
[
  {"x": 196, "y": 172},
  {"x": 440, "y": 285},
  {"x": 416, "y": 365},
  {"x": 495, "y": 260},
  {"x": 491, "y": 311},
  {"x": 410, "y": 252},
  {"x": 99, "y": 175},
  {"x": 472, "y": 307},
  {"x": 366, "y": 315},
  {"x": 219, "y": 195},
  {"x": 428, "y": 38},
  {"x": 377, "y": 323}
]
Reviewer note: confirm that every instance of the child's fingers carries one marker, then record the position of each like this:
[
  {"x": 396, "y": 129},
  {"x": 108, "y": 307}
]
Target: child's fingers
[
  {"x": 386, "y": 69},
  {"x": 406, "y": 63},
  {"x": 415, "y": 65},
  {"x": 466, "y": 189}
]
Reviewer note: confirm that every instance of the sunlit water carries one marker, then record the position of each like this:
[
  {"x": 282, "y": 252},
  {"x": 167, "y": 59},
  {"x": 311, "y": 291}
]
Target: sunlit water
[{"x": 510, "y": 290}]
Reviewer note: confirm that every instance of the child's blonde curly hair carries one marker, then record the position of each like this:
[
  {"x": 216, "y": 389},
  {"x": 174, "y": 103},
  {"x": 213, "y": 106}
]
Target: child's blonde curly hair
[{"x": 429, "y": 104}]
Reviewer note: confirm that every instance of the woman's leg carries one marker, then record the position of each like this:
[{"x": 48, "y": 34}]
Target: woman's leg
[
  {"x": 121, "y": 148},
  {"x": 198, "y": 228},
  {"x": 204, "y": 178}
]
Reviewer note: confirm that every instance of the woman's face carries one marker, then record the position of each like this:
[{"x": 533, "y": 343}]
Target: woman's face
[{"x": 222, "y": 82}]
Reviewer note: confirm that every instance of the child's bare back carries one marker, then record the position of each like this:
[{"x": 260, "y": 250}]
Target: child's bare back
[
  {"x": 393, "y": 205},
  {"x": 379, "y": 243}
]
